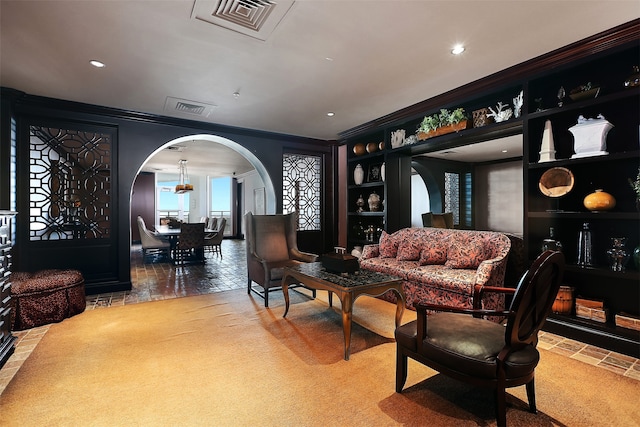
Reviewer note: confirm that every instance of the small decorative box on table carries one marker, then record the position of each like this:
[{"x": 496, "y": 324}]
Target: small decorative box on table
[{"x": 340, "y": 262}]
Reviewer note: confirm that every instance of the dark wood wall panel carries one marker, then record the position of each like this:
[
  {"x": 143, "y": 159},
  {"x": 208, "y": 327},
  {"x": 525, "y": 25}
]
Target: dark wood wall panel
[{"x": 143, "y": 202}]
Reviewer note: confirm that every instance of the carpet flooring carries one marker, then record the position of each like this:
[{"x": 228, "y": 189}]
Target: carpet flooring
[{"x": 223, "y": 359}]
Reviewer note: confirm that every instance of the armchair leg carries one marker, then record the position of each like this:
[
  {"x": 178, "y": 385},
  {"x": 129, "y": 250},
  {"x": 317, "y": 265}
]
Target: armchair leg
[
  {"x": 266, "y": 297},
  {"x": 501, "y": 407},
  {"x": 401, "y": 370},
  {"x": 248, "y": 286},
  {"x": 531, "y": 395}
]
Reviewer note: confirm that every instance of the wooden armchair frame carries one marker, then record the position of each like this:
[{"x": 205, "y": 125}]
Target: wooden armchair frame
[{"x": 495, "y": 356}]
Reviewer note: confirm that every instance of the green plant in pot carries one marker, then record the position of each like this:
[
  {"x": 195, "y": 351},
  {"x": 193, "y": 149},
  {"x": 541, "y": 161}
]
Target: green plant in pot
[
  {"x": 429, "y": 123},
  {"x": 456, "y": 116},
  {"x": 443, "y": 119}
]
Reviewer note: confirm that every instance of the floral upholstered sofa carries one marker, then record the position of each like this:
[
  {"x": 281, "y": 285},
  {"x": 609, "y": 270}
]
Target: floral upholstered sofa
[{"x": 442, "y": 266}]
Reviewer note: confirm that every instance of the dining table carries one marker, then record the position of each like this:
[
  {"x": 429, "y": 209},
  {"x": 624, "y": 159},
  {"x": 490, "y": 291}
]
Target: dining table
[{"x": 172, "y": 235}]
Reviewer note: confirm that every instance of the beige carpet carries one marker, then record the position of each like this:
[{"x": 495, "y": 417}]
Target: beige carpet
[{"x": 223, "y": 359}]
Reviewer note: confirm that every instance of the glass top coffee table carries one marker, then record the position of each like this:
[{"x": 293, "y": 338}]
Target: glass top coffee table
[{"x": 348, "y": 287}]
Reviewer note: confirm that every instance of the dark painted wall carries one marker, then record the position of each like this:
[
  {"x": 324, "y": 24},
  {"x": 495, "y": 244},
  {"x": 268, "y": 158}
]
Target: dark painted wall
[{"x": 137, "y": 136}]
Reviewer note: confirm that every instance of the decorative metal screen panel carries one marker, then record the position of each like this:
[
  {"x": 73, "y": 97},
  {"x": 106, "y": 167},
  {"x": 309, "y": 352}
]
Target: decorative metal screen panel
[
  {"x": 301, "y": 189},
  {"x": 452, "y": 195},
  {"x": 70, "y": 184}
]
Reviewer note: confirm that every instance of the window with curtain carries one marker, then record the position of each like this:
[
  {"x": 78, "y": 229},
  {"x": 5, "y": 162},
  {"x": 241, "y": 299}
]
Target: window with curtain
[{"x": 301, "y": 189}]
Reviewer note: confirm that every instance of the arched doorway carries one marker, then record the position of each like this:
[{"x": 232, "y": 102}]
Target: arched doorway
[{"x": 212, "y": 156}]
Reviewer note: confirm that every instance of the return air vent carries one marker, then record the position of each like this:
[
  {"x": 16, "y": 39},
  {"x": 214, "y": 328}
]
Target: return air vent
[
  {"x": 187, "y": 107},
  {"x": 254, "y": 18}
]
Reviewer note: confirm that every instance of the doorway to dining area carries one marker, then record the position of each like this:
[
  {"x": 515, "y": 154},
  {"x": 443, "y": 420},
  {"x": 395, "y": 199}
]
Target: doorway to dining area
[{"x": 199, "y": 177}]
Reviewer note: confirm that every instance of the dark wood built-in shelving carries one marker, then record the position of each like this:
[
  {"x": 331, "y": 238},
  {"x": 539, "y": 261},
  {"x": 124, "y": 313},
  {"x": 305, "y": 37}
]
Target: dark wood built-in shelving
[{"x": 606, "y": 60}]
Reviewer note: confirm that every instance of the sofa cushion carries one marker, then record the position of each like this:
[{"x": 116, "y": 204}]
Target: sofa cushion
[
  {"x": 433, "y": 253},
  {"x": 458, "y": 280},
  {"x": 466, "y": 253},
  {"x": 391, "y": 266},
  {"x": 409, "y": 250},
  {"x": 388, "y": 246}
]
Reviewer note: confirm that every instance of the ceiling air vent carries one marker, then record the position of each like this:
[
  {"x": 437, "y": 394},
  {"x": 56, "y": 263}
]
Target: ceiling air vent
[
  {"x": 255, "y": 18},
  {"x": 187, "y": 108}
]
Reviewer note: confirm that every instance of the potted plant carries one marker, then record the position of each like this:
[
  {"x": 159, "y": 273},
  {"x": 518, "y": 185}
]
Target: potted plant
[
  {"x": 428, "y": 127},
  {"x": 457, "y": 116},
  {"x": 442, "y": 123}
]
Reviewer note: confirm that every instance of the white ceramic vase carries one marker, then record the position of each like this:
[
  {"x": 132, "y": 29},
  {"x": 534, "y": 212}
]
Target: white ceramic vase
[
  {"x": 590, "y": 137},
  {"x": 358, "y": 174},
  {"x": 383, "y": 171}
]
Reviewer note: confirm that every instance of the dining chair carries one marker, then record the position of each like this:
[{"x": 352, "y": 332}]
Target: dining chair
[
  {"x": 151, "y": 244},
  {"x": 190, "y": 246},
  {"x": 213, "y": 240}
]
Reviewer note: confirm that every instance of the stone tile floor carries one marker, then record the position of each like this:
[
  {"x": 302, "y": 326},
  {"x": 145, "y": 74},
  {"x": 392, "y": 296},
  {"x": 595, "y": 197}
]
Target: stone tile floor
[{"x": 162, "y": 280}]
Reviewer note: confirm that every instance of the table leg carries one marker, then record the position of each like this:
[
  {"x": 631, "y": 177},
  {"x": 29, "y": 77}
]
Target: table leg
[
  {"x": 347, "y": 310},
  {"x": 330, "y": 298},
  {"x": 285, "y": 291}
]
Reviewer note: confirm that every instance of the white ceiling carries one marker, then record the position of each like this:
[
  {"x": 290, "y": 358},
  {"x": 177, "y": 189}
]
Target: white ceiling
[{"x": 384, "y": 55}]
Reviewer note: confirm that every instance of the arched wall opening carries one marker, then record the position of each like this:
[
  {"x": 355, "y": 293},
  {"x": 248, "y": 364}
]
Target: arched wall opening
[
  {"x": 259, "y": 177},
  {"x": 270, "y": 195}
]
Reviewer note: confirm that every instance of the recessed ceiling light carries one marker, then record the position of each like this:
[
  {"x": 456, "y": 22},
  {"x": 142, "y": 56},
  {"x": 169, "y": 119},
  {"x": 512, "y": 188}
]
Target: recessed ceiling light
[
  {"x": 331, "y": 114},
  {"x": 97, "y": 64},
  {"x": 457, "y": 49},
  {"x": 504, "y": 151},
  {"x": 328, "y": 58}
]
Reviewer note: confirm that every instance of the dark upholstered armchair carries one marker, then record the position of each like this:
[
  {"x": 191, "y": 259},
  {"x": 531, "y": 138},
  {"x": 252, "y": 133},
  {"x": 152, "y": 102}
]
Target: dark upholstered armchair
[
  {"x": 442, "y": 220},
  {"x": 272, "y": 244},
  {"x": 481, "y": 352}
]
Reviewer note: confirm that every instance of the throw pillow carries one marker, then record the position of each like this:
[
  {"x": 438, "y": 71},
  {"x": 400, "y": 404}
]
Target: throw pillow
[
  {"x": 434, "y": 254},
  {"x": 388, "y": 246},
  {"x": 409, "y": 250},
  {"x": 467, "y": 254},
  {"x": 370, "y": 251}
]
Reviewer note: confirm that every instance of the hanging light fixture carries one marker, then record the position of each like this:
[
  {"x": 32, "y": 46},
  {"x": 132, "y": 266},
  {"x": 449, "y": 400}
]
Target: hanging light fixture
[{"x": 183, "y": 185}]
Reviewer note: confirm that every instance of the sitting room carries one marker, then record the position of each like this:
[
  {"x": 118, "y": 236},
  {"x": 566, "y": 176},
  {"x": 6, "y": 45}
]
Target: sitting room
[{"x": 292, "y": 213}]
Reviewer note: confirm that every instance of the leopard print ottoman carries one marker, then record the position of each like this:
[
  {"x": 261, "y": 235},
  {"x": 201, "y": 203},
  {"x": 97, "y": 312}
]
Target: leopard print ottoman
[{"x": 46, "y": 296}]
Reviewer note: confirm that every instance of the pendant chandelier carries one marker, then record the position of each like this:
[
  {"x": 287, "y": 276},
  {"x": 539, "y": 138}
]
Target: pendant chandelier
[{"x": 183, "y": 185}]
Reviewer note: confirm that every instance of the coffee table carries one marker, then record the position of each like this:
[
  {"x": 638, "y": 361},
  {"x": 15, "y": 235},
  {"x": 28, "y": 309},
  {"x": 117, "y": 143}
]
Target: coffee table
[{"x": 348, "y": 287}]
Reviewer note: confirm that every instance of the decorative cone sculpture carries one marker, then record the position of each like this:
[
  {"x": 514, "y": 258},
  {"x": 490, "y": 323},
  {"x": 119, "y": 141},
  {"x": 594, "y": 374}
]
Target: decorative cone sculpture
[{"x": 547, "y": 150}]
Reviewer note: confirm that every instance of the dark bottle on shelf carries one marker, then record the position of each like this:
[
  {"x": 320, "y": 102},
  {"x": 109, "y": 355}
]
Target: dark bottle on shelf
[{"x": 551, "y": 243}]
